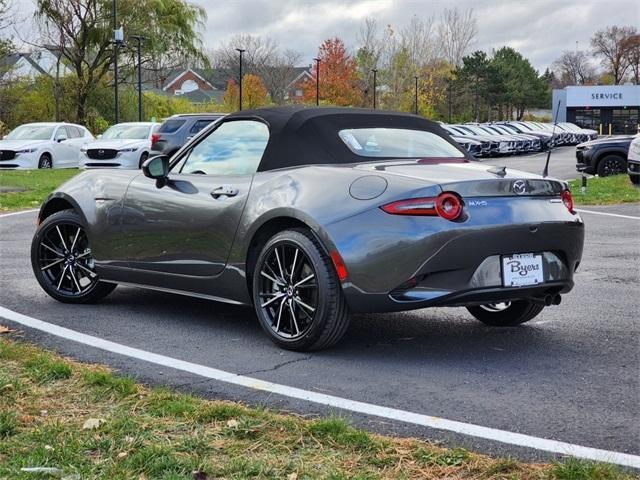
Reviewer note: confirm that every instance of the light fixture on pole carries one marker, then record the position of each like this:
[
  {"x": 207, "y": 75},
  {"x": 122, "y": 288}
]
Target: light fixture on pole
[
  {"x": 140, "y": 39},
  {"x": 240, "y": 51},
  {"x": 317, "y": 60},
  {"x": 375, "y": 72},
  {"x": 118, "y": 39}
]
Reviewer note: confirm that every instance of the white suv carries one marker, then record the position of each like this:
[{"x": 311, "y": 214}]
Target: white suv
[
  {"x": 125, "y": 145},
  {"x": 43, "y": 145}
]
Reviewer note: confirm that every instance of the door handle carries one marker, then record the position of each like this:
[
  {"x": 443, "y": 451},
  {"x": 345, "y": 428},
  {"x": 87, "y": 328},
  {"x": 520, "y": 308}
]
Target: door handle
[{"x": 225, "y": 190}]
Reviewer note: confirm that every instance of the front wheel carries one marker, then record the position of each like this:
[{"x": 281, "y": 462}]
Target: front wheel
[
  {"x": 62, "y": 261},
  {"x": 612, "y": 165},
  {"x": 635, "y": 179},
  {"x": 296, "y": 293},
  {"x": 506, "y": 314},
  {"x": 45, "y": 161},
  {"x": 143, "y": 158}
]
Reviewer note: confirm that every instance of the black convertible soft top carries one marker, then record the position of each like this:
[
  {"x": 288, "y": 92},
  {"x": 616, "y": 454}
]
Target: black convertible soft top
[{"x": 309, "y": 135}]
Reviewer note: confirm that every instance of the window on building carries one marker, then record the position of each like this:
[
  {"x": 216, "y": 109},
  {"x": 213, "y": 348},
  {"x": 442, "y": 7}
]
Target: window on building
[
  {"x": 624, "y": 120},
  {"x": 588, "y": 118}
]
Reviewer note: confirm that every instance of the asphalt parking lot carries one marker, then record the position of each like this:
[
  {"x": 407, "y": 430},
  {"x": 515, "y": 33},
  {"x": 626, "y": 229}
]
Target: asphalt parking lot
[{"x": 569, "y": 375}]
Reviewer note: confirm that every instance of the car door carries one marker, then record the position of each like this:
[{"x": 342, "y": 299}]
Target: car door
[
  {"x": 185, "y": 229},
  {"x": 63, "y": 150}
]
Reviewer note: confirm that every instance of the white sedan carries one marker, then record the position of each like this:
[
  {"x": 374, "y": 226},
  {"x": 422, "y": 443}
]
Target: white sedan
[
  {"x": 43, "y": 145},
  {"x": 125, "y": 145}
]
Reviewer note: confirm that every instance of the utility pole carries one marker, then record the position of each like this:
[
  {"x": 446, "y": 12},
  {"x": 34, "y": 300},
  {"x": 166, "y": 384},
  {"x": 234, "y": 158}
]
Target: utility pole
[
  {"x": 375, "y": 72},
  {"x": 140, "y": 39},
  {"x": 416, "y": 94},
  {"x": 450, "y": 105},
  {"x": 117, "y": 40},
  {"x": 317, "y": 60},
  {"x": 240, "y": 51}
]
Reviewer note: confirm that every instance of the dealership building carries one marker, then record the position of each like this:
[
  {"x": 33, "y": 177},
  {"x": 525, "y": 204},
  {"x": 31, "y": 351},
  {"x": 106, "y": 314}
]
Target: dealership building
[{"x": 610, "y": 109}]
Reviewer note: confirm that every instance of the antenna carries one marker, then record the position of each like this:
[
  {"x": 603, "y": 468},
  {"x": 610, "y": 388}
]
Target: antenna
[{"x": 545, "y": 172}]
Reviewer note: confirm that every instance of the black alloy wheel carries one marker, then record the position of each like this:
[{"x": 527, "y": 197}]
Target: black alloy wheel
[
  {"x": 297, "y": 296},
  {"x": 143, "y": 158},
  {"x": 62, "y": 261},
  {"x": 612, "y": 165},
  {"x": 506, "y": 314},
  {"x": 45, "y": 161}
]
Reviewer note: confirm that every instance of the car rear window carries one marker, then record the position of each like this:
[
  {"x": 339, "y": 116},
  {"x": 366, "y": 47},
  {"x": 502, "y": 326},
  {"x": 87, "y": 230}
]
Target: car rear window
[
  {"x": 171, "y": 126},
  {"x": 200, "y": 124},
  {"x": 397, "y": 143}
]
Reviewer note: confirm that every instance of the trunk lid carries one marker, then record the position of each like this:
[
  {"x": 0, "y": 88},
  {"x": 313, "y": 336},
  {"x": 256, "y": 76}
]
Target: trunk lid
[{"x": 469, "y": 179}]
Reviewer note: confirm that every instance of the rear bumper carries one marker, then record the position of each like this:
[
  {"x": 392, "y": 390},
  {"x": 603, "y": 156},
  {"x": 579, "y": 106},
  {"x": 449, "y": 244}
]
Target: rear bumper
[{"x": 460, "y": 266}]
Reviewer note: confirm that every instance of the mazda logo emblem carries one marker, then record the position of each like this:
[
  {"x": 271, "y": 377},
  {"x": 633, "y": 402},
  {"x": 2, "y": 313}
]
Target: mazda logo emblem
[
  {"x": 519, "y": 187},
  {"x": 100, "y": 152}
]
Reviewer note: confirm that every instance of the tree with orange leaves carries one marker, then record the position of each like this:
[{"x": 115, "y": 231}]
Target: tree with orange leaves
[
  {"x": 339, "y": 84},
  {"x": 254, "y": 93}
]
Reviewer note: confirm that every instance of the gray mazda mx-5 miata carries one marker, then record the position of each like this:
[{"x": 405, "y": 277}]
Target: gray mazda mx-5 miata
[{"x": 309, "y": 214}]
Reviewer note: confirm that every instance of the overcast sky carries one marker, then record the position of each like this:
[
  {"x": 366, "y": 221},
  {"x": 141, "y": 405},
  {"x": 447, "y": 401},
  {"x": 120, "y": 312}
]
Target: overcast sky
[{"x": 539, "y": 29}]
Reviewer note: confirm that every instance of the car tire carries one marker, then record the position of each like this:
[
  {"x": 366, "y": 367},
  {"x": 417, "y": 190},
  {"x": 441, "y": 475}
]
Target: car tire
[
  {"x": 296, "y": 293},
  {"x": 508, "y": 314},
  {"x": 45, "y": 161},
  {"x": 611, "y": 165},
  {"x": 143, "y": 158},
  {"x": 62, "y": 262}
]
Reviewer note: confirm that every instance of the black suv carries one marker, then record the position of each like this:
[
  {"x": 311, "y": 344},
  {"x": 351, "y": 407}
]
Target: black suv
[
  {"x": 177, "y": 129},
  {"x": 604, "y": 156}
]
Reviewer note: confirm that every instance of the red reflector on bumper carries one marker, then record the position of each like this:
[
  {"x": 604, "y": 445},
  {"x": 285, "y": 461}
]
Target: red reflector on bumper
[{"x": 341, "y": 268}]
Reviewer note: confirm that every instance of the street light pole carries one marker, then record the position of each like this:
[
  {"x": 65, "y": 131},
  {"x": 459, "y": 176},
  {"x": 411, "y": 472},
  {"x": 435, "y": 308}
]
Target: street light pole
[
  {"x": 115, "y": 61},
  {"x": 139, "y": 38},
  {"x": 317, "y": 60},
  {"x": 375, "y": 71},
  {"x": 240, "y": 51},
  {"x": 416, "y": 94}
]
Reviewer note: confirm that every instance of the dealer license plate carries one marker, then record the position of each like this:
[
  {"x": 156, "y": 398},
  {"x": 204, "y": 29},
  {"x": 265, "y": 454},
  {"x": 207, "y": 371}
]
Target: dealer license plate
[{"x": 522, "y": 270}]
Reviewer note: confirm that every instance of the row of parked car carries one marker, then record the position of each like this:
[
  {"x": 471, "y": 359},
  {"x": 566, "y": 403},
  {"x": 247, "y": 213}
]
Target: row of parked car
[
  {"x": 515, "y": 137},
  {"x": 128, "y": 145},
  {"x": 125, "y": 145}
]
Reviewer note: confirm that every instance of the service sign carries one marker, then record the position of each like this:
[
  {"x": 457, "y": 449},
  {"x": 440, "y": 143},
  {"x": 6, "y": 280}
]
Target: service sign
[{"x": 604, "y": 96}]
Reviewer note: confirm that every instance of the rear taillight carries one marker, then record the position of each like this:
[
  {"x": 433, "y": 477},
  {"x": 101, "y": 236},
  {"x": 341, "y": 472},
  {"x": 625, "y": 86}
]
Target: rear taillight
[
  {"x": 446, "y": 205},
  {"x": 567, "y": 199},
  {"x": 154, "y": 138}
]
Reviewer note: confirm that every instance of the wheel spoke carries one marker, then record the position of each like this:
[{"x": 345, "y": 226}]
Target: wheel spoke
[
  {"x": 75, "y": 239},
  {"x": 46, "y": 267},
  {"x": 301, "y": 303},
  {"x": 277, "y": 282},
  {"x": 293, "y": 317},
  {"x": 279, "y": 264},
  {"x": 56, "y": 252},
  {"x": 280, "y": 315},
  {"x": 293, "y": 266},
  {"x": 91, "y": 274},
  {"x": 304, "y": 280},
  {"x": 276, "y": 297},
  {"x": 64, "y": 244},
  {"x": 64, "y": 270},
  {"x": 75, "y": 280}
]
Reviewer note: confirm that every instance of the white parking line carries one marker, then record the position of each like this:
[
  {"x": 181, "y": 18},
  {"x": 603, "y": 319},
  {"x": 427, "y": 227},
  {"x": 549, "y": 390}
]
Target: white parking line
[
  {"x": 18, "y": 213},
  {"x": 502, "y": 436},
  {"x": 607, "y": 214}
]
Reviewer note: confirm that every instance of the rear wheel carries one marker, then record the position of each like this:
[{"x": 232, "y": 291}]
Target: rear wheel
[
  {"x": 612, "y": 165},
  {"x": 506, "y": 314},
  {"x": 62, "y": 261},
  {"x": 296, "y": 293},
  {"x": 45, "y": 161}
]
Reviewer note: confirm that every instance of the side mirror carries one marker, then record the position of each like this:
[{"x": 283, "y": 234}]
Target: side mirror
[
  {"x": 157, "y": 168},
  {"x": 61, "y": 138}
]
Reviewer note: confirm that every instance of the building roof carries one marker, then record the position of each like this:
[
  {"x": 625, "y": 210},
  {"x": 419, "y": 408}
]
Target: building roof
[{"x": 11, "y": 60}]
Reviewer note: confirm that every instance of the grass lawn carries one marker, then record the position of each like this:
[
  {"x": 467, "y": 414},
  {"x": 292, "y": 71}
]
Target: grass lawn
[
  {"x": 605, "y": 191},
  {"x": 89, "y": 423},
  {"x": 32, "y": 186}
]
